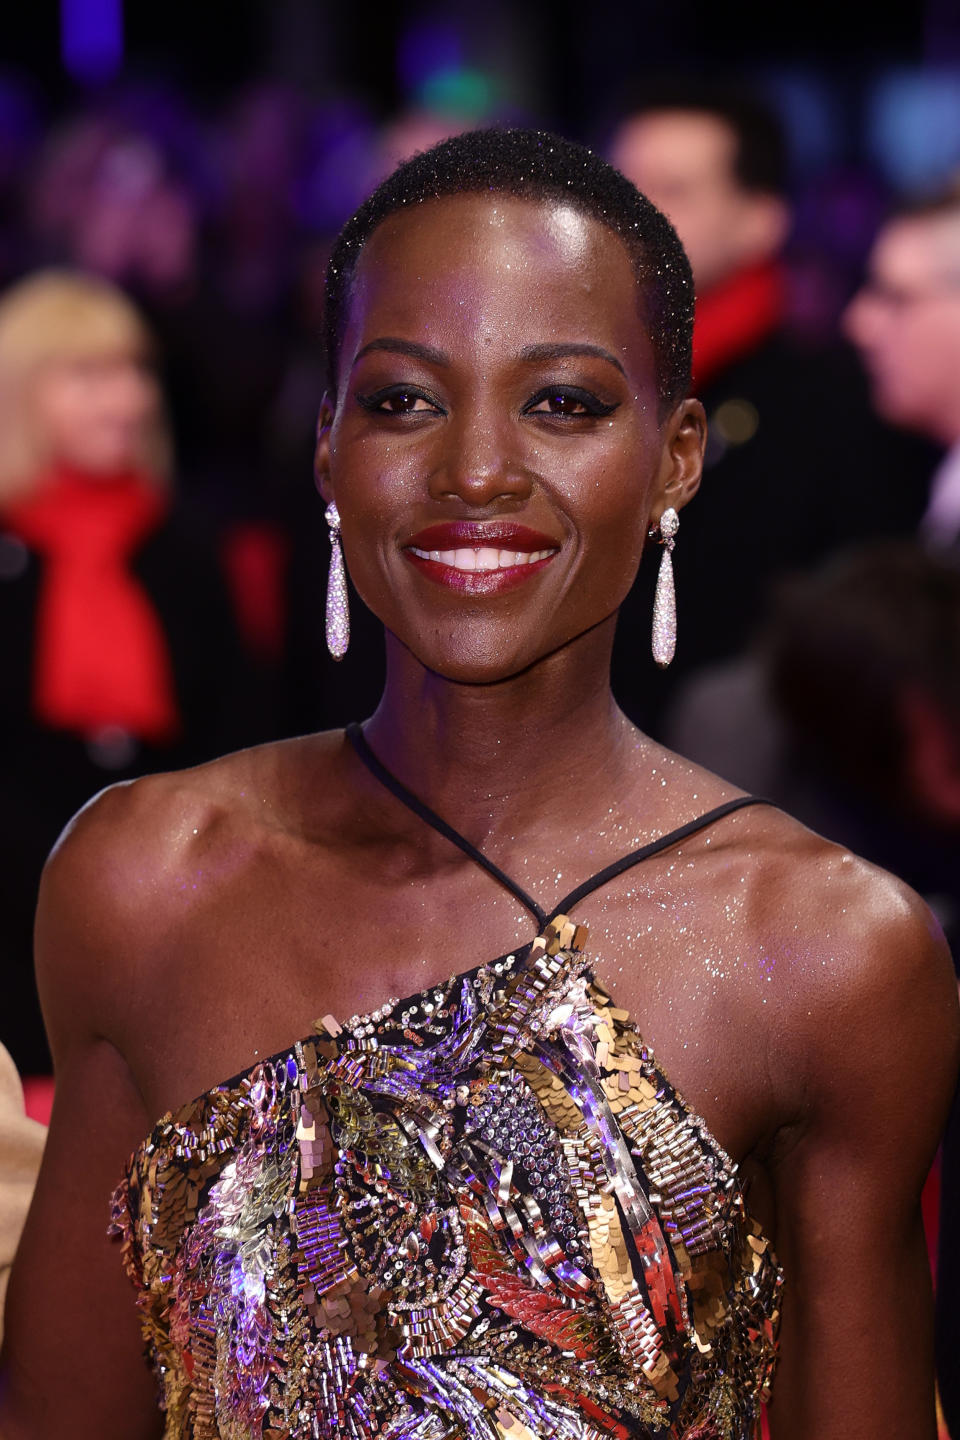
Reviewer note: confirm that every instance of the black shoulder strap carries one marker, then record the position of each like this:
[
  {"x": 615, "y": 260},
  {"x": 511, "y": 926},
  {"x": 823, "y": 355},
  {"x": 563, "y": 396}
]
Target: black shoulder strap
[
  {"x": 387, "y": 778},
  {"x": 664, "y": 842}
]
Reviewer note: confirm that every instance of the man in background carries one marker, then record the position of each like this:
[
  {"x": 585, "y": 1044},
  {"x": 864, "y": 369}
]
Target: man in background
[
  {"x": 797, "y": 466},
  {"x": 905, "y": 321}
]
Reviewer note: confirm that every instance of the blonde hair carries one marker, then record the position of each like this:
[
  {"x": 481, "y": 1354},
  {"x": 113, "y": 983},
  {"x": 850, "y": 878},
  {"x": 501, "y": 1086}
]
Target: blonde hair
[{"x": 63, "y": 315}]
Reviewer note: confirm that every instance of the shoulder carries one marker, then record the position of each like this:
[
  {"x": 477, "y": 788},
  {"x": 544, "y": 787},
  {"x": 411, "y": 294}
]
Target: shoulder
[
  {"x": 858, "y": 923},
  {"x": 866, "y": 974},
  {"x": 122, "y": 878}
]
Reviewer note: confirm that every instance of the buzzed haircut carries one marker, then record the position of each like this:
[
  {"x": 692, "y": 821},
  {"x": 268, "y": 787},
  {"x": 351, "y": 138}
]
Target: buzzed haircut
[
  {"x": 849, "y": 641},
  {"x": 535, "y": 165},
  {"x": 760, "y": 161}
]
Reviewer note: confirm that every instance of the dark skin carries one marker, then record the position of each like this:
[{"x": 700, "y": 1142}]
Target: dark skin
[{"x": 802, "y": 1002}]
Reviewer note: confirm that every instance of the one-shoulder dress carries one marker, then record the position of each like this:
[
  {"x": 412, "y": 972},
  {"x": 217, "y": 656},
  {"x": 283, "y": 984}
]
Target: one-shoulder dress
[{"x": 478, "y": 1213}]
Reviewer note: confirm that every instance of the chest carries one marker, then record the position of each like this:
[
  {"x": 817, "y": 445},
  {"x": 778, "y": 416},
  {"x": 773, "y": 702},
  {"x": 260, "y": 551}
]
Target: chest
[{"x": 258, "y": 958}]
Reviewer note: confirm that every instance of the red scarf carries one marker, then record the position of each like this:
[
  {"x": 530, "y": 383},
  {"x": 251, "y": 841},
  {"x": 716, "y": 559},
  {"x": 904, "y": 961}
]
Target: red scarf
[
  {"x": 100, "y": 655},
  {"x": 734, "y": 318}
]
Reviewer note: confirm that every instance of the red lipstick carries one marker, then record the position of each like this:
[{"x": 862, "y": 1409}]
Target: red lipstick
[
  {"x": 466, "y": 534},
  {"x": 480, "y": 557}
]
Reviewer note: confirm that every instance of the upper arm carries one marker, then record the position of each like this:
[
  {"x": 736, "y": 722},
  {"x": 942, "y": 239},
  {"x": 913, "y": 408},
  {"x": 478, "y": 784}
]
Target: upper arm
[
  {"x": 73, "y": 1358},
  {"x": 877, "y": 1074},
  {"x": 21, "y": 1146}
]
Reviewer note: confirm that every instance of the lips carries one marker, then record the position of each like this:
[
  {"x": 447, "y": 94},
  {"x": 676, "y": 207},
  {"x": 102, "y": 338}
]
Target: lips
[
  {"x": 486, "y": 558},
  {"x": 480, "y": 558}
]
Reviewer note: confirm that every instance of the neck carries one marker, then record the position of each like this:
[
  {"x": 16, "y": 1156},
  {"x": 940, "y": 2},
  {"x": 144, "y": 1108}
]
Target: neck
[{"x": 530, "y": 745}]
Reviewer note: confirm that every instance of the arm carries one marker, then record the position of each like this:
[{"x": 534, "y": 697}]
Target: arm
[
  {"x": 21, "y": 1146},
  {"x": 875, "y": 1082},
  {"x": 73, "y": 1356}
]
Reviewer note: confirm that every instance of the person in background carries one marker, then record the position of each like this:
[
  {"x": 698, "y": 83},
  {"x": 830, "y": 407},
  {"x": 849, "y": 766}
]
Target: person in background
[
  {"x": 116, "y": 640},
  {"x": 905, "y": 321},
  {"x": 848, "y": 715},
  {"x": 796, "y": 464},
  {"x": 21, "y": 1147}
]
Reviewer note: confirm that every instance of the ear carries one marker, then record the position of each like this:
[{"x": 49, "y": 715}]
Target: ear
[
  {"x": 321, "y": 455},
  {"x": 681, "y": 462}
]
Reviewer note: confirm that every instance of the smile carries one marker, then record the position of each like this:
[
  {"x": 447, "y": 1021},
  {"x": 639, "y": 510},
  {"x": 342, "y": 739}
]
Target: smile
[{"x": 485, "y": 559}]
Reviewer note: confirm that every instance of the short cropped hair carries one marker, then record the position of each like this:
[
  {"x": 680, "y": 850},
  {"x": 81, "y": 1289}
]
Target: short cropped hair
[
  {"x": 760, "y": 159},
  {"x": 535, "y": 165},
  {"x": 943, "y": 204},
  {"x": 847, "y": 642}
]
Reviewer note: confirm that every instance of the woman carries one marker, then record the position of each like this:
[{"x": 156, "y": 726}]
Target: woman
[
  {"x": 106, "y": 592},
  {"x": 484, "y": 1210}
]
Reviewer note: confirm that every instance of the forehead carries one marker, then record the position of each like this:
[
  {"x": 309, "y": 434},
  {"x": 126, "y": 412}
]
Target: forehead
[
  {"x": 492, "y": 269},
  {"x": 918, "y": 249}
]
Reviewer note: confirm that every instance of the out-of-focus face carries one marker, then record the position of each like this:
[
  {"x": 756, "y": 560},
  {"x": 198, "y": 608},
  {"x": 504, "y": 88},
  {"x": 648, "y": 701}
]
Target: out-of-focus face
[
  {"x": 683, "y": 160},
  {"x": 92, "y": 413},
  {"x": 906, "y": 324},
  {"x": 496, "y": 447}
]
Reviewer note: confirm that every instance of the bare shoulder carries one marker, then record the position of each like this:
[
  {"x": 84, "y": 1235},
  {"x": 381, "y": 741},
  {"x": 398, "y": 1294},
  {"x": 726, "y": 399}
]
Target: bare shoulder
[
  {"x": 835, "y": 900},
  {"x": 868, "y": 971},
  {"x": 123, "y": 874}
]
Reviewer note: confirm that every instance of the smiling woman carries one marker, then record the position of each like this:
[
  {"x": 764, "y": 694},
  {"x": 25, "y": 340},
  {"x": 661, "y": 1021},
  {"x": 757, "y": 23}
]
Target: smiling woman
[{"x": 484, "y": 1210}]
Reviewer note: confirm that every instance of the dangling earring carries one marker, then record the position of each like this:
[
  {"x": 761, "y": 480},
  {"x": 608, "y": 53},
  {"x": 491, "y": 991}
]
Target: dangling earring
[
  {"x": 338, "y": 613},
  {"x": 665, "y": 601}
]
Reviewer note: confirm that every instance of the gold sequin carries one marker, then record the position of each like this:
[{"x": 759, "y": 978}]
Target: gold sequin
[{"x": 482, "y": 1211}]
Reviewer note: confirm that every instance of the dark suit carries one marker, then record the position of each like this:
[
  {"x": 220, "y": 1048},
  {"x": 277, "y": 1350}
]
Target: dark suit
[{"x": 797, "y": 467}]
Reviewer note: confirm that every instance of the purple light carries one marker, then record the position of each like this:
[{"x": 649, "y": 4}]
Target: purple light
[{"x": 91, "y": 38}]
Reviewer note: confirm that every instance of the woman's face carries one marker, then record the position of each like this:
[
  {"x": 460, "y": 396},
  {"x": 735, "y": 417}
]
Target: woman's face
[
  {"x": 495, "y": 452},
  {"x": 92, "y": 413}
]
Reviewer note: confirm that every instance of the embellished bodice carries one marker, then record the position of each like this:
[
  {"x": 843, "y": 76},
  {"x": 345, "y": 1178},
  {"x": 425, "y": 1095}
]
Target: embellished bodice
[{"x": 481, "y": 1212}]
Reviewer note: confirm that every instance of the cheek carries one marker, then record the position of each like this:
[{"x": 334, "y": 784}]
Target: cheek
[
  {"x": 143, "y": 401},
  {"x": 59, "y": 412},
  {"x": 611, "y": 514}
]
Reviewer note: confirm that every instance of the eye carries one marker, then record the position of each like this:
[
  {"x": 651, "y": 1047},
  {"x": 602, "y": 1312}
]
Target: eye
[
  {"x": 399, "y": 400},
  {"x": 566, "y": 402}
]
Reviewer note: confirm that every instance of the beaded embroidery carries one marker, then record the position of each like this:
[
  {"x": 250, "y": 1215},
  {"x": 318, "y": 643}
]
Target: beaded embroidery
[{"x": 479, "y": 1214}]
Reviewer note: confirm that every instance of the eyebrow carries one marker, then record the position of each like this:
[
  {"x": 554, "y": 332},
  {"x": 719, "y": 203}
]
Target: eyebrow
[
  {"x": 562, "y": 351},
  {"x": 532, "y": 354},
  {"x": 397, "y": 346}
]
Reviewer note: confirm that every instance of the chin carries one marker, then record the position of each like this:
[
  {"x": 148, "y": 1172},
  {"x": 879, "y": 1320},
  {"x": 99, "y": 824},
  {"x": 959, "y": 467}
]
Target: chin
[
  {"x": 896, "y": 408},
  {"x": 492, "y": 671},
  {"x": 487, "y": 664}
]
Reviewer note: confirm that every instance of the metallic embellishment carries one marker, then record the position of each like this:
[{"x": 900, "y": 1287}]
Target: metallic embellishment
[
  {"x": 338, "y": 607},
  {"x": 664, "y": 643},
  {"x": 480, "y": 1213}
]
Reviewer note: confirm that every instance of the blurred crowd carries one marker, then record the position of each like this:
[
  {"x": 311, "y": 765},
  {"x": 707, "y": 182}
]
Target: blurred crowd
[{"x": 163, "y": 553}]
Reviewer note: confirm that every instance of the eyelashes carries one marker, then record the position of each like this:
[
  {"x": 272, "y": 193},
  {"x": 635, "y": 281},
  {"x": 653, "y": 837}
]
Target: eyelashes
[
  {"x": 567, "y": 402},
  {"x": 397, "y": 400},
  {"x": 554, "y": 402}
]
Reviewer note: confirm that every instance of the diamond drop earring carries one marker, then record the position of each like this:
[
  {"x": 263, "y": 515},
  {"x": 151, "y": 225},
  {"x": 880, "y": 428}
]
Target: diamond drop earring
[
  {"x": 338, "y": 613},
  {"x": 665, "y": 601}
]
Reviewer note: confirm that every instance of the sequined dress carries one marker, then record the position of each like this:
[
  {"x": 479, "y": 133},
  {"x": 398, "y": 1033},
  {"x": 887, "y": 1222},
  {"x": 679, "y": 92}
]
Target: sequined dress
[{"x": 480, "y": 1213}]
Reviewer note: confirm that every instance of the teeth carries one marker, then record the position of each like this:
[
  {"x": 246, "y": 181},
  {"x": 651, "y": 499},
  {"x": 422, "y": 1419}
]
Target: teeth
[{"x": 484, "y": 558}]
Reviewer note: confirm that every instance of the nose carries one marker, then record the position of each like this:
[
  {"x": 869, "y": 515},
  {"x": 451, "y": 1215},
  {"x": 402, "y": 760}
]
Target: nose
[{"x": 479, "y": 464}]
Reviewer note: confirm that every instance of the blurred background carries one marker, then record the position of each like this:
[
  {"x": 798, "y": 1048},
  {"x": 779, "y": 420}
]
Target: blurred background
[{"x": 171, "y": 178}]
